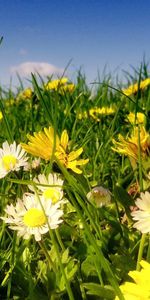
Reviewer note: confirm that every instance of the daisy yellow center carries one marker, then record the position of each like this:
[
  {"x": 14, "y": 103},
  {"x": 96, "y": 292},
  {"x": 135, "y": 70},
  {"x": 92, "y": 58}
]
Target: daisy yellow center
[
  {"x": 9, "y": 162},
  {"x": 34, "y": 217},
  {"x": 52, "y": 194}
]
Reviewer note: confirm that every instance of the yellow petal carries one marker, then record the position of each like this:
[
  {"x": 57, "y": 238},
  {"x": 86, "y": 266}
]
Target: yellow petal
[
  {"x": 64, "y": 139},
  {"x": 74, "y": 154}
]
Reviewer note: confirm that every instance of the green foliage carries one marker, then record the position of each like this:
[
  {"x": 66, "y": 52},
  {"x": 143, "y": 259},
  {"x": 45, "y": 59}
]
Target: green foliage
[{"x": 94, "y": 248}]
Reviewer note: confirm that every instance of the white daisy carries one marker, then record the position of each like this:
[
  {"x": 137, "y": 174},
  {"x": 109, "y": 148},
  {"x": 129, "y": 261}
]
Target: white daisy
[
  {"x": 12, "y": 158},
  {"x": 50, "y": 187},
  {"x": 28, "y": 217},
  {"x": 142, "y": 215}
]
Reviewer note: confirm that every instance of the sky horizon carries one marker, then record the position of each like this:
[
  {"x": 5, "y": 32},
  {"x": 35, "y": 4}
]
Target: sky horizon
[{"x": 45, "y": 35}]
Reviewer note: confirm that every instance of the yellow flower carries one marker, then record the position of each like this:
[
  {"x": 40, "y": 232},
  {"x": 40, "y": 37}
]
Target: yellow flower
[
  {"x": 60, "y": 85},
  {"x": 140, "y": 288},
  {"x": 26, "y": 94},
  {"x": 139, "y": 118},
  {"x": 1, "y": 116},
  {"x": 129, "y": 146},
  {"x": 56, "y": 84},
  {"x": 9, "y": 102},
  {"x": 82, "y": 115},
  {"x": 67, "y": 88},
  {"x": 69, "y": 160},
  {"x": 95, "y": 111},
  {"x": 144, "y": 83},
  {"x": 133, "y": 89},
  {"x": 43, "y": 144}
]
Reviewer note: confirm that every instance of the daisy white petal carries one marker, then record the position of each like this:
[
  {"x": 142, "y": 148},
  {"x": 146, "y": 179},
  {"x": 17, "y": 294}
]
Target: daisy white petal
[
  {"x": 142, "y": 215},
  {"x": 28, "y": 217},
  {"x": 12, "y": 158},
  {"x": 50, "y": 187}
]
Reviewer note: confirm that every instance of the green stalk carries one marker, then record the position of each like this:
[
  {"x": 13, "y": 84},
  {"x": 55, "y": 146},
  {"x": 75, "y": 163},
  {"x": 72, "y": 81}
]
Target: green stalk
[
  {"x": 44, "y": 249},
  {"x": 59, "y": 239},
  {"x": 140, "y": 253},
  {"x": 148, "y": 251},
  {"x": 142, "y": 242},
  {"x": 102, "y": 261},
  {"x": 10, "y": 137},
  {"x": 70, "y": 294},
  {"x": 140, "y": 161}
]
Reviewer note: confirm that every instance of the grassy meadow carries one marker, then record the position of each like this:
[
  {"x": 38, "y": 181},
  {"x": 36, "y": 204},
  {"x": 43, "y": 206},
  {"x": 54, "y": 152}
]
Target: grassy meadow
[{"x": 74, "y": 189}]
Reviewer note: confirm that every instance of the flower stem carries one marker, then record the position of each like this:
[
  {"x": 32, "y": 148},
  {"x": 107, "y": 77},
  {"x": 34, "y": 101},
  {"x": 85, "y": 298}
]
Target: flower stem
[
  {"x": 140, "y": 253},
  {"x": 69, "y": 290},
  {"x": 140, "y": 161},
  {"x": 59, "y": 239},
  {"x": 43, "y": 247}
]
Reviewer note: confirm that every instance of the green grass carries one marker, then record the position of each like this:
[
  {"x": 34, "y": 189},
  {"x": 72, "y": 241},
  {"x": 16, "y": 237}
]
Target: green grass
[{"x": 90, "y": 254}]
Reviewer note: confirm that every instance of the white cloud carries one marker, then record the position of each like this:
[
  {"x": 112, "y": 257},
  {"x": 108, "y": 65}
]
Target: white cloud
[{"x": 26, "y": 68}]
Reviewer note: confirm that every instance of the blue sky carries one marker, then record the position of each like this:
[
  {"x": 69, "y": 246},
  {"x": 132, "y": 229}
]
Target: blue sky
[{"x": 45, "y": 35}]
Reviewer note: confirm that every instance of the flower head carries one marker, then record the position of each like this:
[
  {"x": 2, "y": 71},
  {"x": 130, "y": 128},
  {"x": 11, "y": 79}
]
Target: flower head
[
  {"x": 50, "y": 187},
  {"x": 129, "y": 146},
  {"x": 95, "y": 112},
  {"x": 56, "y": 84},
  {"x": 61, "y": 85},
  {"x": 139, "y": 118},
  {"x": 12, "y": 158},
  {"x": 1, "y": 116},
  {"x": 139, "y": 289},
  {"x": 133, "y": 89},
  {"x": 69, "y": 160},
  {"x": 99, "y": 195},
  {"x": 30, "y": 217},
  {"x": 142, "y": 215},
  {"x": 44, "y": 144},
  {"x": 26, "y": 94}
]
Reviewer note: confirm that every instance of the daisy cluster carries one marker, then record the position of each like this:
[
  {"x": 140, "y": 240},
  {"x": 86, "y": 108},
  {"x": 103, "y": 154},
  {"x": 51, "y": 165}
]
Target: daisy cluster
[{"x": 41, "y": 208}]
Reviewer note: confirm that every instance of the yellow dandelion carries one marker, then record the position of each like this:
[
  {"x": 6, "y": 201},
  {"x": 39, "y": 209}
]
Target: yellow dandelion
[
  {"x": 26, "y": 94},
  {"x": 144, "y": 83},
  {"x": 129, "y": 146},
  {"x": 1, "y": 116},
  {"x": 94, "y": 112},
  {"x": 82, "y": 115},
  {"x": 60, "y": 85},
  {"x": 56, "y": 84},
  {"x": 133, "y": 89},
  {"x": 139, "y": 118},
  {"x": 44, "y": 144},
  {"x": 139, "y": 289},
  {"x": 70, "y": 87}
]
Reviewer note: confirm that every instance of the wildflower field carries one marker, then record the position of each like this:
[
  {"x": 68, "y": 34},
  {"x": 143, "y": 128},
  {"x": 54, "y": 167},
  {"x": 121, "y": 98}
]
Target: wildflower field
[{"x": 74, "y": 189}]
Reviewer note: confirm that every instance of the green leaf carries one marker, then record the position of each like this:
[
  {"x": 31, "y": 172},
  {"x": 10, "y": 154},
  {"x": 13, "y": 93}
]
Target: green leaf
[
  {"x": 105, "y": 292},
  {"x": 124, "y": 199}
]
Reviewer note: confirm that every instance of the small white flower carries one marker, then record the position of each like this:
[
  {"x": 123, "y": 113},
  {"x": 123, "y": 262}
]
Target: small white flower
[
  {"x": 28, "y": 217},
  {"x": 35, "y": 163},
  {"x": 12, "y": 158},
  {"x": 142, "y": 215},
  {"x": 100, "y": 196},
  {"x": 50, "y": 187}
]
